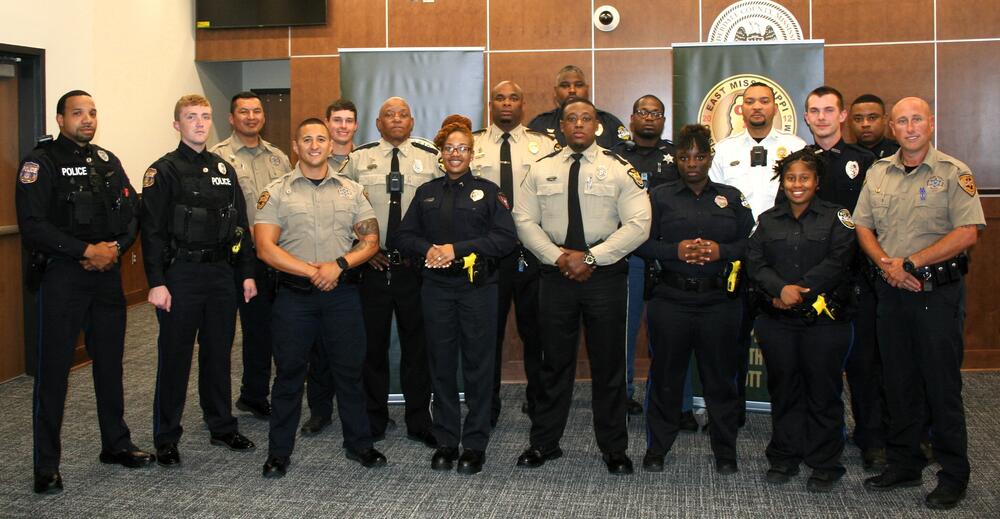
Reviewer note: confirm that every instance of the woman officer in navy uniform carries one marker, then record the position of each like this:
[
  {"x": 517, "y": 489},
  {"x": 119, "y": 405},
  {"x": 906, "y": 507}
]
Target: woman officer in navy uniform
[
  {"x": 699, "y": 229},
  {"x": 799, "y": 259},
  {"x": 460, "y": 224}
]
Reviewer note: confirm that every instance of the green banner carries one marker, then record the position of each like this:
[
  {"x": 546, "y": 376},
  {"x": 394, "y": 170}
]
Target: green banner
[{"x": 709, "y": 80}]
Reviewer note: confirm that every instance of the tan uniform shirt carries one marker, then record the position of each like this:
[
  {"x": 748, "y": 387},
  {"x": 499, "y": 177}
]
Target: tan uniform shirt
[
  {"x": 369, "y": 164},
  {"x": 526, "y": 147},
  {"x": 255, "y": 167},
  {"x": 336, "y": 163},
  {"x": 910, "y": 211},
  {"x": 613, "y": 203},
  {"x": 317, "y": 222}
]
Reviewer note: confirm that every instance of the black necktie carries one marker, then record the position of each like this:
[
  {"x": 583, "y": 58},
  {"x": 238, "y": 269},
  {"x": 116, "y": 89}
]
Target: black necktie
[
  {"x": 506, "y": 171},
  {"x": 448, "y": 210},
  {"x": 575, "y": 238},
  {"x": 395, "y": 204}
]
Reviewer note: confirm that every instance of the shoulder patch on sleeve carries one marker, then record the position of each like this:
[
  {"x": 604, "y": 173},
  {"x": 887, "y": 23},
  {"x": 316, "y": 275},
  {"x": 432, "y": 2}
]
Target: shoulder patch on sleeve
[
  {"x": 968, "y": 183},
  {"x": 28, "y": 173},
  {"x": 845, "y": 218},
  {"x": 149, "y": 178},
  {"x": 743, "y": 201},
  {"x": 502, "y": 198},
  {"x": 262, "y": 201},
  {"x": 637, "y": 178}
]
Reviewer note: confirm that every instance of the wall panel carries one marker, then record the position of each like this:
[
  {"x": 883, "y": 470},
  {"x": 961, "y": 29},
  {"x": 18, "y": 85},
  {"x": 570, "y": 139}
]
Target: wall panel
[
  {"x": 444, "y": 23},
  {"x": 863, "y": 21},
  {"x": 966, "y": 121},
  {"x": 529, "y": 24},
  {"x": 350, "y": 23},
  {"x": 651, "y": 23}
]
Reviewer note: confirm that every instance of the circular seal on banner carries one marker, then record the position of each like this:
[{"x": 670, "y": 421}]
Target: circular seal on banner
[
  {"x": 722, "y": 108},
  {"x": 755, "y": 20}
]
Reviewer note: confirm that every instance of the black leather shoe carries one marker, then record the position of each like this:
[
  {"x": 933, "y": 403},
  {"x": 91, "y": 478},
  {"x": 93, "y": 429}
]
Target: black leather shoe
[
  {"x": 234, "y": 441},
  {"x": 534, "y": 457},
  {"x": 444, "y": 458},
  {"x": 688, "y": 422},
  {"x": 48, "y": 483},
  {"x": 471, "y": 462},
  {"x": 821, "y": 482},
  {"x": 928, "y": 450},
  {"x": 726, "y": 467},
  {"x": 425, "y": 437},
  {"x": 315, "y": 425},
  {"x": 275, "y": 467},
  {"x": 258, "y": 410},
  {"x": 652, "y": 462},
  {"x": 892, "y": 479},
  {"x": 779, "y": 475},
  {"x": 368, "y": 458},
  {"x": 132, "y": 458},
  {"x": 618, "y": 463},
  {"x": 168, "y": 455},
  {"x": 634, "y": 408},
  {"x": 943, "y": 497},
  {"x": 873, "y": 460}
]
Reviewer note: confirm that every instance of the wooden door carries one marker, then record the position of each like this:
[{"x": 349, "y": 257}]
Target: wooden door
[
  {"x": 278, "y": 111},
  {"x": 11, "y": 309}
]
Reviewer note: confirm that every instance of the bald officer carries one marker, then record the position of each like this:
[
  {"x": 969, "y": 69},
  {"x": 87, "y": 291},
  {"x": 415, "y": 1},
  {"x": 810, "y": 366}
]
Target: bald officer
[
  {"x": 306, "y": 222},
  {"x": 917, "y": 216},
  {"x": 391, "y": 169},
  {"x": 571, "y": 82},
  {"x": 581, "y": 211},
  {"x": 504, "y": 154},
  {"x": 257, "y": 163}
]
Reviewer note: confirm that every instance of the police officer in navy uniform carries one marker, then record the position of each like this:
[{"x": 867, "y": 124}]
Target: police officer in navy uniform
[
  {"x": 77, "y": 211},
  {"x": 699, "y": 233},
  {"x": 800, "y": 259},
  {"x": 846, "y": 167},
  {"x": 461, "y": 225},
  {"x": 571, "y": 82},
  {"x": 653, "y": 157},
  {"x": 867, "y": 121},
  {"x": 194, "y": 223}
]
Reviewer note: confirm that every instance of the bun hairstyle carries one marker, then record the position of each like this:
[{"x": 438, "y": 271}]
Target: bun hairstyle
[
  {"x": 812, "y": 156},
  {"x": 451, "y": 124}
]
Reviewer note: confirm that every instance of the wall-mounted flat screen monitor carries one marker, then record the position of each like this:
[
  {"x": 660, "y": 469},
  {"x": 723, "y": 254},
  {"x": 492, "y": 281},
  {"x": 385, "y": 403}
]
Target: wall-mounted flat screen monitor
[{"x": 226, "y": 14}]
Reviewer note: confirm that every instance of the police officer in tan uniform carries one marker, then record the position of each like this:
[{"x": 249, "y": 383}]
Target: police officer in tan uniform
[
  {"x": 257, "y": 163},
  {"x": 391, "y": 169},
  {"x": 306, "y": 222},
  {"x": 581, "y": 211},
  {"x": 504, "y": 154},
  {"x": 918, "y": 214}
]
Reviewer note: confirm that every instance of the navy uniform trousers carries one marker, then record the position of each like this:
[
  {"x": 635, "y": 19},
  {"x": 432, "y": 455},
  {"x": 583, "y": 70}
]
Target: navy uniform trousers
[
  {"x": 255, "y": 323},
  {"x": 521, "y": 288}
]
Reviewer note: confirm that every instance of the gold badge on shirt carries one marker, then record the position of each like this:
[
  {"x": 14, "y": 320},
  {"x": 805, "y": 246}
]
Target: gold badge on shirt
[
  {"x": 721, "y": 201},
  {"x": 476, "y": 195}
]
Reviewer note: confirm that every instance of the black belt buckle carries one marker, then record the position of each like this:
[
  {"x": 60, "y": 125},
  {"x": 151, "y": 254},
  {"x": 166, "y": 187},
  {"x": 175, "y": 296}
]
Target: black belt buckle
[
  {"x": 394, "y": 257},
  {"x": 926, "y": 277},
  {"x": 691, "y": 284}
]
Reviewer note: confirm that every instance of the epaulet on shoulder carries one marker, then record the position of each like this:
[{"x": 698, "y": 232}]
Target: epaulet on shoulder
[
  {"x": 278, "y": 181},
  {"x": 543, "y": 134},
  {"x": 479, "y": 131},
  {"x": 366, "y": 145},
  {"x": 424, "y": 145},
  {"x": 44, "y": 141},
  {"x": 616, "y": 157},
  {"x": 552, "y": 154}
]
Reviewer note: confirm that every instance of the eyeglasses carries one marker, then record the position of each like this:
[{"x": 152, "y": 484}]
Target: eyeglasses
[
  {"x": 461, "y": 149},
  {"x": 647, "y": 114}
]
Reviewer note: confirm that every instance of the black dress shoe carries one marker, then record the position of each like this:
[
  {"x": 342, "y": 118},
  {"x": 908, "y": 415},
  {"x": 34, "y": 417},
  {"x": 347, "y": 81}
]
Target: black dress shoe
[
  {"x": 234, "y": 441},
  {"x": 618, "y": 463},
  {"x": 892, "y": 479},
  {"x": 315, "y": 425},
  {"x": 471, "y": 462},
  {"x": 634, "y": 408},
  {"x": 48, "y": 483},
  {"x": 259, "y": 410},
  {"x": 132, "y": 458},
  {"x": 652, "y": 462},
  {"x": 368, "y": 458},
  {"x": 534, "y": 457},
  {"x": 168, "y": 455},
  {"x": 943, "y": 497},
  {"x": 821, "y": 482},
  {"x": 275, "y": 467},
  {"x": 873, "y": 460},
  {"x": 780, "y": 474},
  {"x": 425, "y": 437},
  {"x": 688, "y": 422},
  {"x": 444, "y": 458},
  {"x": 726, "y": 467}
]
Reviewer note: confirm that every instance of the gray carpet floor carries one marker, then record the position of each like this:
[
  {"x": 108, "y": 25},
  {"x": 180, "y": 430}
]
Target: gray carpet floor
[{"x": 213, "y": 482}]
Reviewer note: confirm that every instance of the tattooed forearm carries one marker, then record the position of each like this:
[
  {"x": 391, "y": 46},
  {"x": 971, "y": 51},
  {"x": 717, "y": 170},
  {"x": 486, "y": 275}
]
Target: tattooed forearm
[{"x": 367, "y": 232}]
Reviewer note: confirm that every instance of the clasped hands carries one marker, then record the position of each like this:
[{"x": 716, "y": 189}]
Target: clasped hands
[
  {"x": 698, "y": 251},
  {"x": 896, "y": 277},
  {"x": 572, "y": 266},
  {"x": 100, "y": 256}
]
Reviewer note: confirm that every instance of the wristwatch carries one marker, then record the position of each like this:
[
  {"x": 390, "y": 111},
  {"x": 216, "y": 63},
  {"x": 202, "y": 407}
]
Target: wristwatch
[
  {"x": 342, "y": 263},
  {"x": 589, "y": 259},
  {"x": 908, "y": 266}
]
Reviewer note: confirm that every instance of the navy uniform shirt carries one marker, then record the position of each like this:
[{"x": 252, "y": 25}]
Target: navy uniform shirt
[
  {"x": 814, "y": 251},
  {"x": 480, "y": 220},
  {"x": 720, "y": 213},
  {"x": 610, "y": 131},
  {"x": 884, "y": 148},
  {"x": 846, "y": 167},
  {"x": 52, "y": 174},
  {"x": 162, "y": 189},
  {"x": 655, "y": 165}
]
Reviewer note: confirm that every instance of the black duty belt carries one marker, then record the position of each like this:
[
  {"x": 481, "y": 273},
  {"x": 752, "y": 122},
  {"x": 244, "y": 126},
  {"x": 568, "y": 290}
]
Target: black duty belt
[
  {"x": 700, "y": 285},
  {"x": 943, "y": 273},
  {"x": 303, "y": 285},
  {"x": 202, "y": 255},
  {"x": 397, "y": 259}
]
